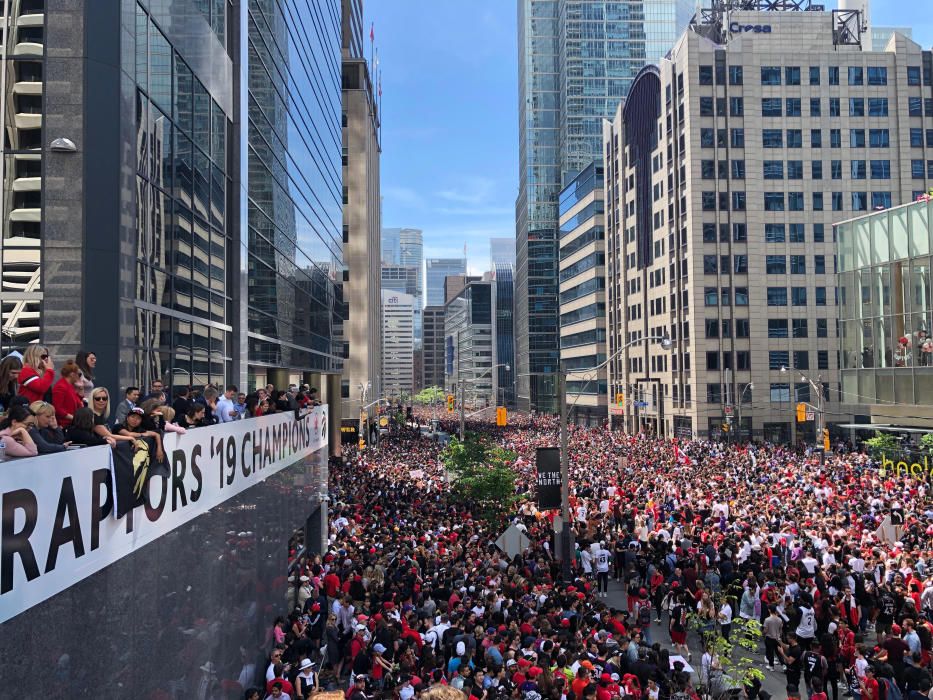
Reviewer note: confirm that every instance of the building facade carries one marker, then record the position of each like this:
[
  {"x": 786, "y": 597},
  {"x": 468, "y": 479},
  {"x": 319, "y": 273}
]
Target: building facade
[
  {"x": 362, "y": 283},
  {"x": 398, "y": 344},
  {"x": 400, "y": 278},
  {"x": 504, "y": 376},
  {"x": 576, "y": 60},
  {"x": 501, "y": 250},
  {"x": 405, "y": 247},
  {"x": 725, "y": 171},
  {"x": 433, "y": 357},
  {"x": 436, "y": 269},
  {"x": 886, "y": 316},
  {"x": 469, "y": 329},
  {"x": 219, "y": 226},
  {"x": 582, "y": 278}
]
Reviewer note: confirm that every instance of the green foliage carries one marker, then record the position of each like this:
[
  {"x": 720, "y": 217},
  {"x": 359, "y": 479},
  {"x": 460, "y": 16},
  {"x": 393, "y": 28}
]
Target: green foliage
[
  {"x": 734, "y": 672},
  {"x": 882, "y": 444},
  {"x": 429, "y": 396},
  {"x": 484, "y": 478},
  {"x": 926, "y": 442}
]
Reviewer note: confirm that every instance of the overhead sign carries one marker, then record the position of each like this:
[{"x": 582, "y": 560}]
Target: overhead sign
[
  {"x": 58, "y": 511},
  {"x": 737, "y": 28},
  {"x": 513, "y": 542},
  {"x": 549, "y": 482}
]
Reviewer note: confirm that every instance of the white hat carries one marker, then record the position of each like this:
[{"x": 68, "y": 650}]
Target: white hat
[
  {"x": 304, "y": 579},
  {"x": 208, "y": 667},
  {"x": 461, "y": 648},
  {"x": 305, "y": 663}
]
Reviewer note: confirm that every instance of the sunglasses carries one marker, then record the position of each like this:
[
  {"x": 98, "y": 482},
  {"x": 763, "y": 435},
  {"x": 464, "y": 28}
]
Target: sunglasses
[
  {"x": 44, "y": 357},
  {"x": 100, "y": 398}
]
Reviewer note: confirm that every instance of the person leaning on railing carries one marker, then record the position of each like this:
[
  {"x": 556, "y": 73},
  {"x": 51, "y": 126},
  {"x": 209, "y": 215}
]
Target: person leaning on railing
[
  {"x": 100, "y": 410},
  {"x": 44, "y": 430},
  {"x": 14, "y": 431},
  {"x": 82, "y": 430}
]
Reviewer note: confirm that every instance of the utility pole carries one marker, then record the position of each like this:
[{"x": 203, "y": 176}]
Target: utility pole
[
  {"x": 563, "y": 539},
  {"x": 462, "y": 410}
]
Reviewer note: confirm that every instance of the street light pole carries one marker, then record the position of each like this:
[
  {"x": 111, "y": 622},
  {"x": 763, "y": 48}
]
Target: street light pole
[
  {"x": 738, "y": 412},
  {"x": 820, "y": 411},
  {"x": 565, "y": 547}
]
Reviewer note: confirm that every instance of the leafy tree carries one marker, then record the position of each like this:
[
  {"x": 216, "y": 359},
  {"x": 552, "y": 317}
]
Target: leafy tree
[
  {"x": 882, "y": 444},
  {"x": 429, "y": 395},
  {"x": 926, "y": 442},
  {"x": 484, "y": 478}
]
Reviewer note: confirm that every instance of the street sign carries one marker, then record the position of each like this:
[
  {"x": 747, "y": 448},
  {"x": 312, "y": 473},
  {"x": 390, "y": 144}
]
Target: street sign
[
  {"x": 728, "y": 410},
  {"x": 513, "y": 541},
  {"x": 383, "y": 422},
  {"x": 640, "y": 404},
  {"x": 810, "y": 415}
]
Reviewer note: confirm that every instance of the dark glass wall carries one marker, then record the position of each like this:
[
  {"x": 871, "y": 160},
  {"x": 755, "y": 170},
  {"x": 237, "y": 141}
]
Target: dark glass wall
[{"x": 203, "y": 596}]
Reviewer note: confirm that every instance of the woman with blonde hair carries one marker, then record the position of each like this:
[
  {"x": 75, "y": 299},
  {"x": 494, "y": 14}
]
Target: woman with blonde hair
[
  {"x": 44, "y": 431},
  {"x": 168, "y": 415},
  {"x": 100, "y": 407},
  {"x": 38, "y": 373}
]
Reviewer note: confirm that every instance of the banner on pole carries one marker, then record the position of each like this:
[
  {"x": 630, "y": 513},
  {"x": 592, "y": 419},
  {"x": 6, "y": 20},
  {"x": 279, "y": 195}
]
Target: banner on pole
[{"x": 549, "y": 482}]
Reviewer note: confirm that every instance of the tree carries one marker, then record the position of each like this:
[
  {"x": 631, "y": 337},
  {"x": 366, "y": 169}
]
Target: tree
[
  {"x": 882, "y": 444},
  {"x": 926, "y": 442},
  {"x": 484, "y": 478},
  {"x": 429, "y": 395}
]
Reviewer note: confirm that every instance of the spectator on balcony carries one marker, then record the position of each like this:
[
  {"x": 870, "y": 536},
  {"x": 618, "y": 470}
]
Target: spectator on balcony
[
  {"x": 194, "y": 418},
  {"x": 14, "y": 431},
  {"x": 82, "y": 430},
  {"x": 208, "y": 399},
  {"x": 100, "y": 408},
  {"x": 65, "y": 396},
  {"x": 87, "y": 363},
  {"x": 133, "y": 428},
  {"x": 156, "y": 391},
  {"x": 38, "y": 373},
  {"x": 182, "y": 401},
  {"x": 44, "y": 431},
  {"x": 130, "y": 397},
  {"x": 10, "y": 369},
  {"x": 152, "y": 415},
  {"x": 225, "y": 410},
  {"x": 168, "y": 415}
]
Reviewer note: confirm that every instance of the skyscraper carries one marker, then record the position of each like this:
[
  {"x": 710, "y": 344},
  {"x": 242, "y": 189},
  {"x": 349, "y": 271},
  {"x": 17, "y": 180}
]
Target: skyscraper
[
  {"x": 501, "y": 250},
  {"x": 405, "y": 247},
  {"x": 576, "y": 60},
  {"x": 436, "y": 269}
]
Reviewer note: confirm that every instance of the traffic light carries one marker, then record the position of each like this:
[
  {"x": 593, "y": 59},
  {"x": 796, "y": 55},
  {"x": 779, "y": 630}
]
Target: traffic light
[
  {"x": 450, "y": 403},
  {"x": 725, "y": 427},
  {"x": 362, "y": 444},
  {"x": 502, "y": 416},
  {"x": 620, "y": 399},
  {"x": 801, "y": 412},
  {"x": 826, "y": 445}
]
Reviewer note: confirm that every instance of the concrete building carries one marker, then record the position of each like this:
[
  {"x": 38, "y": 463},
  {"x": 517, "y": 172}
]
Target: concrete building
[
  {"x": 398, "y": 343},
  {"x": 582, "y": 277},
  {"x": 433, "y": 347},
  {"x": 504, "y": 337},
  {"x": 405, "y": 247},
  {"x": 576, "y": 60},
  {"x": 362, "y": 288},
  {"x": 454, "y": 284},
  {"x": 501, "y": 250},
  {"x": 725, "y": 171},
  {"x": 886, "y": 317},
  {"x": 469, "y": 330},
  {"x": 436, "y": 269}
]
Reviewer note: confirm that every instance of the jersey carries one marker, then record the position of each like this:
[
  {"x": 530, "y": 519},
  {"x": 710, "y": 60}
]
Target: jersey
[
  {"x": 807, "y": 627},
  {"x": 603, "y": 557}
]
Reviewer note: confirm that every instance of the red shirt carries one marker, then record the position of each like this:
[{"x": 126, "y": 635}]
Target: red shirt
[
  {"x": 286, "y": 686},
  {"x": 66, "y": 401},
  {"x": 331, "y": 585},
  {"x": 870, "y": 687},
  {"x": 32, "y": 385}
]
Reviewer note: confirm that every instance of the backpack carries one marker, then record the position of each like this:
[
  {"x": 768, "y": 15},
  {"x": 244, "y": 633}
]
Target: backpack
[
  {"x": 890, "y": 691},
  {"x": 644, "y": 614}
]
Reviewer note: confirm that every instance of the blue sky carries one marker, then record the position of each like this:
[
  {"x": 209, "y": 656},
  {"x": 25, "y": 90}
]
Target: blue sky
[{"x": 450, "y": 115}]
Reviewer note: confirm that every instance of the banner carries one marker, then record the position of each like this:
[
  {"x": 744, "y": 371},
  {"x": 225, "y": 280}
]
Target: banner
[
  {"x": 548, "y": 463},
  {"x": 59, "y": 521}
]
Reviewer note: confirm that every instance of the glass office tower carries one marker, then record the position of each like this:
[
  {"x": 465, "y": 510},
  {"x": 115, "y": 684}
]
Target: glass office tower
[{"x": 576, "y": 60}]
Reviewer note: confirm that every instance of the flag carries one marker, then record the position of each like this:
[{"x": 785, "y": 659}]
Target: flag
[
  {"x": 133, "y": 464},
  {"x": 682, "y": 457},
  {"x": 372, "y": 32}
]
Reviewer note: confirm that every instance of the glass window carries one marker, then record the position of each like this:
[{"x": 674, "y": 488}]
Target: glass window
[
  {"x": 736, "y": 106},
  {"x": 777, "y": 296},
  {"x": 859, "y": 201},
  {"x": 706, "y": 75},
  {"x": 834, "y": 107},
  {"x": 792, "y": 108},
  {"x": 835, "y": 169},
  {"x": 770, "y": 75},
  {"x": 712, "y": 360},
  {"x": 857, "y": 138},
  {"x": 837, "y": 201},
  {"x": 835, "y": 138},
  {"x": 801, "y": 359},
  {"x": 818, "y": 233},
  {"x": 776, "y": 264},
  {"x": 816, "y": 170},
  {"x": 856, "y": 75},
  {"x": 741, "y": 296},
  {"x": 814, "y": 75},
  {"x": 877, "y": 106},
  {"x": 877, "y": 75},
  {"x": 795, "y": 170},
  {"x": 822, "y": 328},
  {"x": 822, "y": 359},
  {"x": 792, "y": 75},
  {"x": 712, "y": 327},
  {"x": 856, "y": 107},
  {"x": 738, "y": 138},
  {"x": 916, "y": 137},
  {"x": 710, "y": 264},
  {"x": 795, "y": 201},
  {"x": 796, "y": 233},
  {"x": 794, "y": 138},
  {"x": 742, "y": 328},
  {"x": 774, "y": 233},
  {"x": 880, "y": 200},
  {"x": 880, "y": 170},
  {"x": 820, "y": 296},
  {"x": 774, "y": 170},
  {"x": 914, "y": 106},
  {"x": 708, "y": 169},
  {"x": 738, "y": 201},
  {"x": 711, "y": 296},
  {"x": 774, "y": 201},
  {"x": 798, "y": 296},
  {"x": 778, "y": 359},
  {"x": 709, "y": 233},
  {"x": 816, "y": 138},
  {"x": 917, "y": 170},
  {"x": 878, "y": 138},
  {"x": 740, "y": 264},
  {"x": 817, "y": 201},
  {"x": 772, "y": 107},
  {"x": 913, "y": 75},
  {"x": 815, "y": 107},
  {"x": 707, "y": 138},
  {"x": 739, "y": 233},
  {"x": 772, "y": 138},
  {"x": 724, "y": 296},
  {"x": 833, "y": 72},
  {"x": 799, "y": 327},
  {"x": 709, "y": 201},
  {"x": 738, "y": 169},
  {"x": 858, "y": 170},
  {"x": 780, "y": 393},
  {"x": 706, "y": 107},
  {"x": 735, "y": 75},
  {"x": 819, "y": 264},
  {"x": 798, "y": 265}
]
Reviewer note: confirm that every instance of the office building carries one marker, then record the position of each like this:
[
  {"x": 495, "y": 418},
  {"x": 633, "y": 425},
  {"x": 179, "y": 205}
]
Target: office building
[
  {"x": 454, "y": 284},
  {"x": 582, "y": 279},
  {"x": 362, "y": 288},
  {"x": 171, "y": 204},
  {"x": 577, "y": 59},
  {"x": 886, "y": 316},
  {"x": 400, "y": 278},
  {"x": 504, "y": 335},
  {"x": 433, "y": 347},
  {"x": 469, "y": 329},
  {"x": 405, "y": 247},
  {"x": 501, "y": 250},
  {"x": 436, "y": 269},
  {"x": 398, "y": 344},
  {"x": 725, "y": 171}
]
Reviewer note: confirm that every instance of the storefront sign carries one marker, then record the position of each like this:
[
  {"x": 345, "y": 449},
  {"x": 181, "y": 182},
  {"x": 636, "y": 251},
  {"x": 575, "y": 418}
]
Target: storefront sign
[{"x": 58, "y": 514}]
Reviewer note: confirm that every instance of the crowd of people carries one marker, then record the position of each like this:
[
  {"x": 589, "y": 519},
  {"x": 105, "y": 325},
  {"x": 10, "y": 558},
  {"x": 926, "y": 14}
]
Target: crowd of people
[
  {"x": 42, "y": 414},
  {"x": 705, "y": 541}
]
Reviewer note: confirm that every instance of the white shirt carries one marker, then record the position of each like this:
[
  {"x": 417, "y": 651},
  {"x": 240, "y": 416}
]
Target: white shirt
[
  {"x": 224, "y": 408},
  {"x": 603, "y": 557},
  {"x": 587, "y": 560}
]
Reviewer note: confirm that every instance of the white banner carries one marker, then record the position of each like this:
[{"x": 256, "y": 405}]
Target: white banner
[{"x": 57, "y": 511}]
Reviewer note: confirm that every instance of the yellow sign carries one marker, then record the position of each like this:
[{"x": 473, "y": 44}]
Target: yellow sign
[
  {"x": 383, "y": 422},
  {"x": 801, "y": 412},
  {"x": 826, "y": 445},
  {"x": 502, "y": 416},
  {"x": 362, "y": 444}
]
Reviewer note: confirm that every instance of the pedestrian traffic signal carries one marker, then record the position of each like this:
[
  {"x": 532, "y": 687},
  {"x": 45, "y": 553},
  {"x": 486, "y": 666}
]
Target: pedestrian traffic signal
[
  {"x": 502, "y": 416},
  {"x": 620, "y": 399},
  {"x": 826, "y": 445},
  {"x": 801, "y": 412},
  {"x": 450, "y": 403}
]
